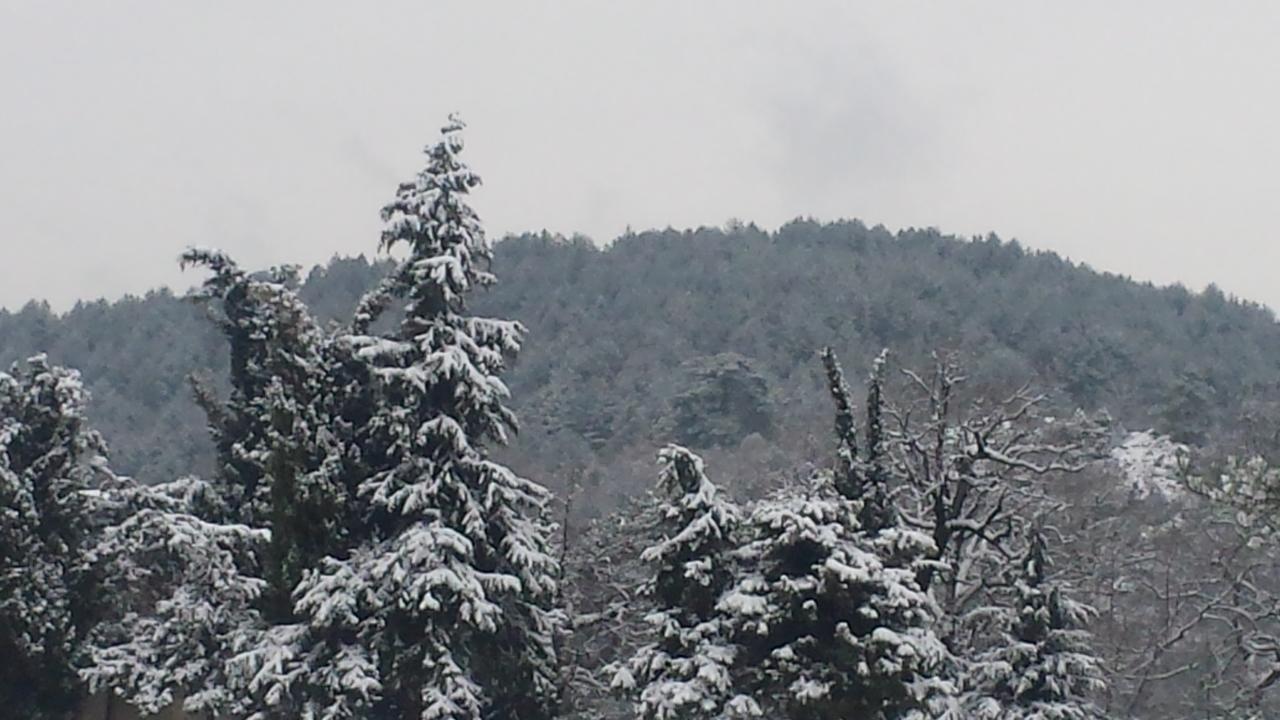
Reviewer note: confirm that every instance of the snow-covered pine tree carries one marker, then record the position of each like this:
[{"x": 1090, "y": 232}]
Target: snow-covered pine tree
[
  {"x": 828, "y": 606},
  {"x": 688, "y": 672},
  {"x": 833, "y": 628},
  {"x": 204, "y": 571},
  {"x": 183, "y": 593},
  {"x": 1041, "y": 667},
  {"x": 49, "y": 596},
  {"x": 281, "y": 437},
  {"x": 450, "y": 596}
]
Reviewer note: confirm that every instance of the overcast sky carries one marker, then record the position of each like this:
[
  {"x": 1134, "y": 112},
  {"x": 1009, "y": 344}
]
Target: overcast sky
[{"x": 1142, "y": 138}]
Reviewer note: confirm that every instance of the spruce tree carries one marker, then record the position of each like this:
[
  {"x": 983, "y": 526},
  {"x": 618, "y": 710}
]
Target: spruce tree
[
  {"x": 49, "y": 594},
  {"x": 205, "y": 569},
  {"x": 688, "y": 672},
  {"x": 828, "y": 605},
  {"x": 450, "y": 593},
  {"x": 834, "y": 623},
  {"x": 1041, "y": 666},
  {"x": 283, "y": 445},
  {"x": 184, "y": 593}
]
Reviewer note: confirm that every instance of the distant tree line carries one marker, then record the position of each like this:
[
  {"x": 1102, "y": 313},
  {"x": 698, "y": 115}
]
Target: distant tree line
[{"x": 652, "y": 315}]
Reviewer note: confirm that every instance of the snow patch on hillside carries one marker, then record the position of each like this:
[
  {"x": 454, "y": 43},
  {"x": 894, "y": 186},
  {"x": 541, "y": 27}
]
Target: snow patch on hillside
[{"x": 1151, "y": 463}]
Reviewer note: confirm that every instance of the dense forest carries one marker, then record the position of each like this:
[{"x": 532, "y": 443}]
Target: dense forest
[
  {"x": 709, "y": 337},
  {"x": 898, "y": 475}
]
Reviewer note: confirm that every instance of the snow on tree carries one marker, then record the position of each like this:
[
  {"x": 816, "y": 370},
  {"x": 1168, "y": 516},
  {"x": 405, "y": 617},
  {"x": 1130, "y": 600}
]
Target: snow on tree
[
  {"x": 183, "y": 591},
  {"x": 969, "y": 475},
  {"x": 602, "y": 594},
  {"x": 358, "y": 553},
  {"x": 283, "y": 443},
  {"x": 831, "y": 618},
  {"x": 848, "y": 479},
  {"x": 205, "y": 570},
  {"x": 688, "y": 671},
  {"x": 49, "y": 465},
  {"x": 1152, "y": 464},
  {"x": 865, "y": 477},
  {"x": 1041, "y": 667},
  {"x": 450, "y": 591},
  {"x": 828, "y": 604},
  {"x": 1241, "y": 519}
]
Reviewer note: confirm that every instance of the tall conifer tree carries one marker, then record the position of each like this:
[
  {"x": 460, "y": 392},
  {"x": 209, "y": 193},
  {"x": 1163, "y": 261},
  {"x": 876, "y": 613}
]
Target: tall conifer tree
[
  {"x": 688, "y": 672},
  {"x": 452, "y": 593}
]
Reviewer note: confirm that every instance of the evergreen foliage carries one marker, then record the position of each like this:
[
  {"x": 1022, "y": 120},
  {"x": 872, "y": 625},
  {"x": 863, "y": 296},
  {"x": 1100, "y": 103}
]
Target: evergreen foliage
[
  {"x": 727, "y": 400},
  {"x": 358, "y": 553},
  {"x": 50, "y": 463},
  {"x": 688, "y": 672},
  {"x": 831, "y": 616},
  {"x": 451, "y": 585},
  {"x": 861, "y": 478},
  {"x": 184, "y": 591},
  {"x": 1041, "y": 667},
  {"x": 804, "y": 611},
  {"x": 204, "y": 570},
  {"x": 283, "y": 443}
]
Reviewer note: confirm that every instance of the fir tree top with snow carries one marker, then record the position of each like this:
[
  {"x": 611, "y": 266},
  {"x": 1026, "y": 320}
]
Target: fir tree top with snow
[
  {"x": 692, "y": 563},
  {"x": 452, "y": 588},
  {"x": 687, "y": 672},
  {"x": 443, "y": 235},
  {"x": 1042, "y": 667}
]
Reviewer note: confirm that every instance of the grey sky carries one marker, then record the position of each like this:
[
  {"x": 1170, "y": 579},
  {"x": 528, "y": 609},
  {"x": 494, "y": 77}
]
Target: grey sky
[{"x": 1141, "y": 138}]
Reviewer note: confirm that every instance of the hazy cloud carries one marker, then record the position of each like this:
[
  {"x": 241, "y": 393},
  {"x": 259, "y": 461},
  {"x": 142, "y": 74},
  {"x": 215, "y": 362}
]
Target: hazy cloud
[{"x": 1138, "y": 137}]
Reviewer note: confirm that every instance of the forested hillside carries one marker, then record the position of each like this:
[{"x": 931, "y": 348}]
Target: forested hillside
[
  {"x": 709, "y": 337},
  {"x": 306, "y": 499}
]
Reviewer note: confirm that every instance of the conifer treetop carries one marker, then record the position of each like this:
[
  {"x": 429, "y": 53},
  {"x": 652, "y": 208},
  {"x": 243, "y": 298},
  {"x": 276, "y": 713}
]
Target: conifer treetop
[
  {"x": 1042, "y": 666},
  {"x": 442, "y": 232},
  {"x": 686, "y": 673}
]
